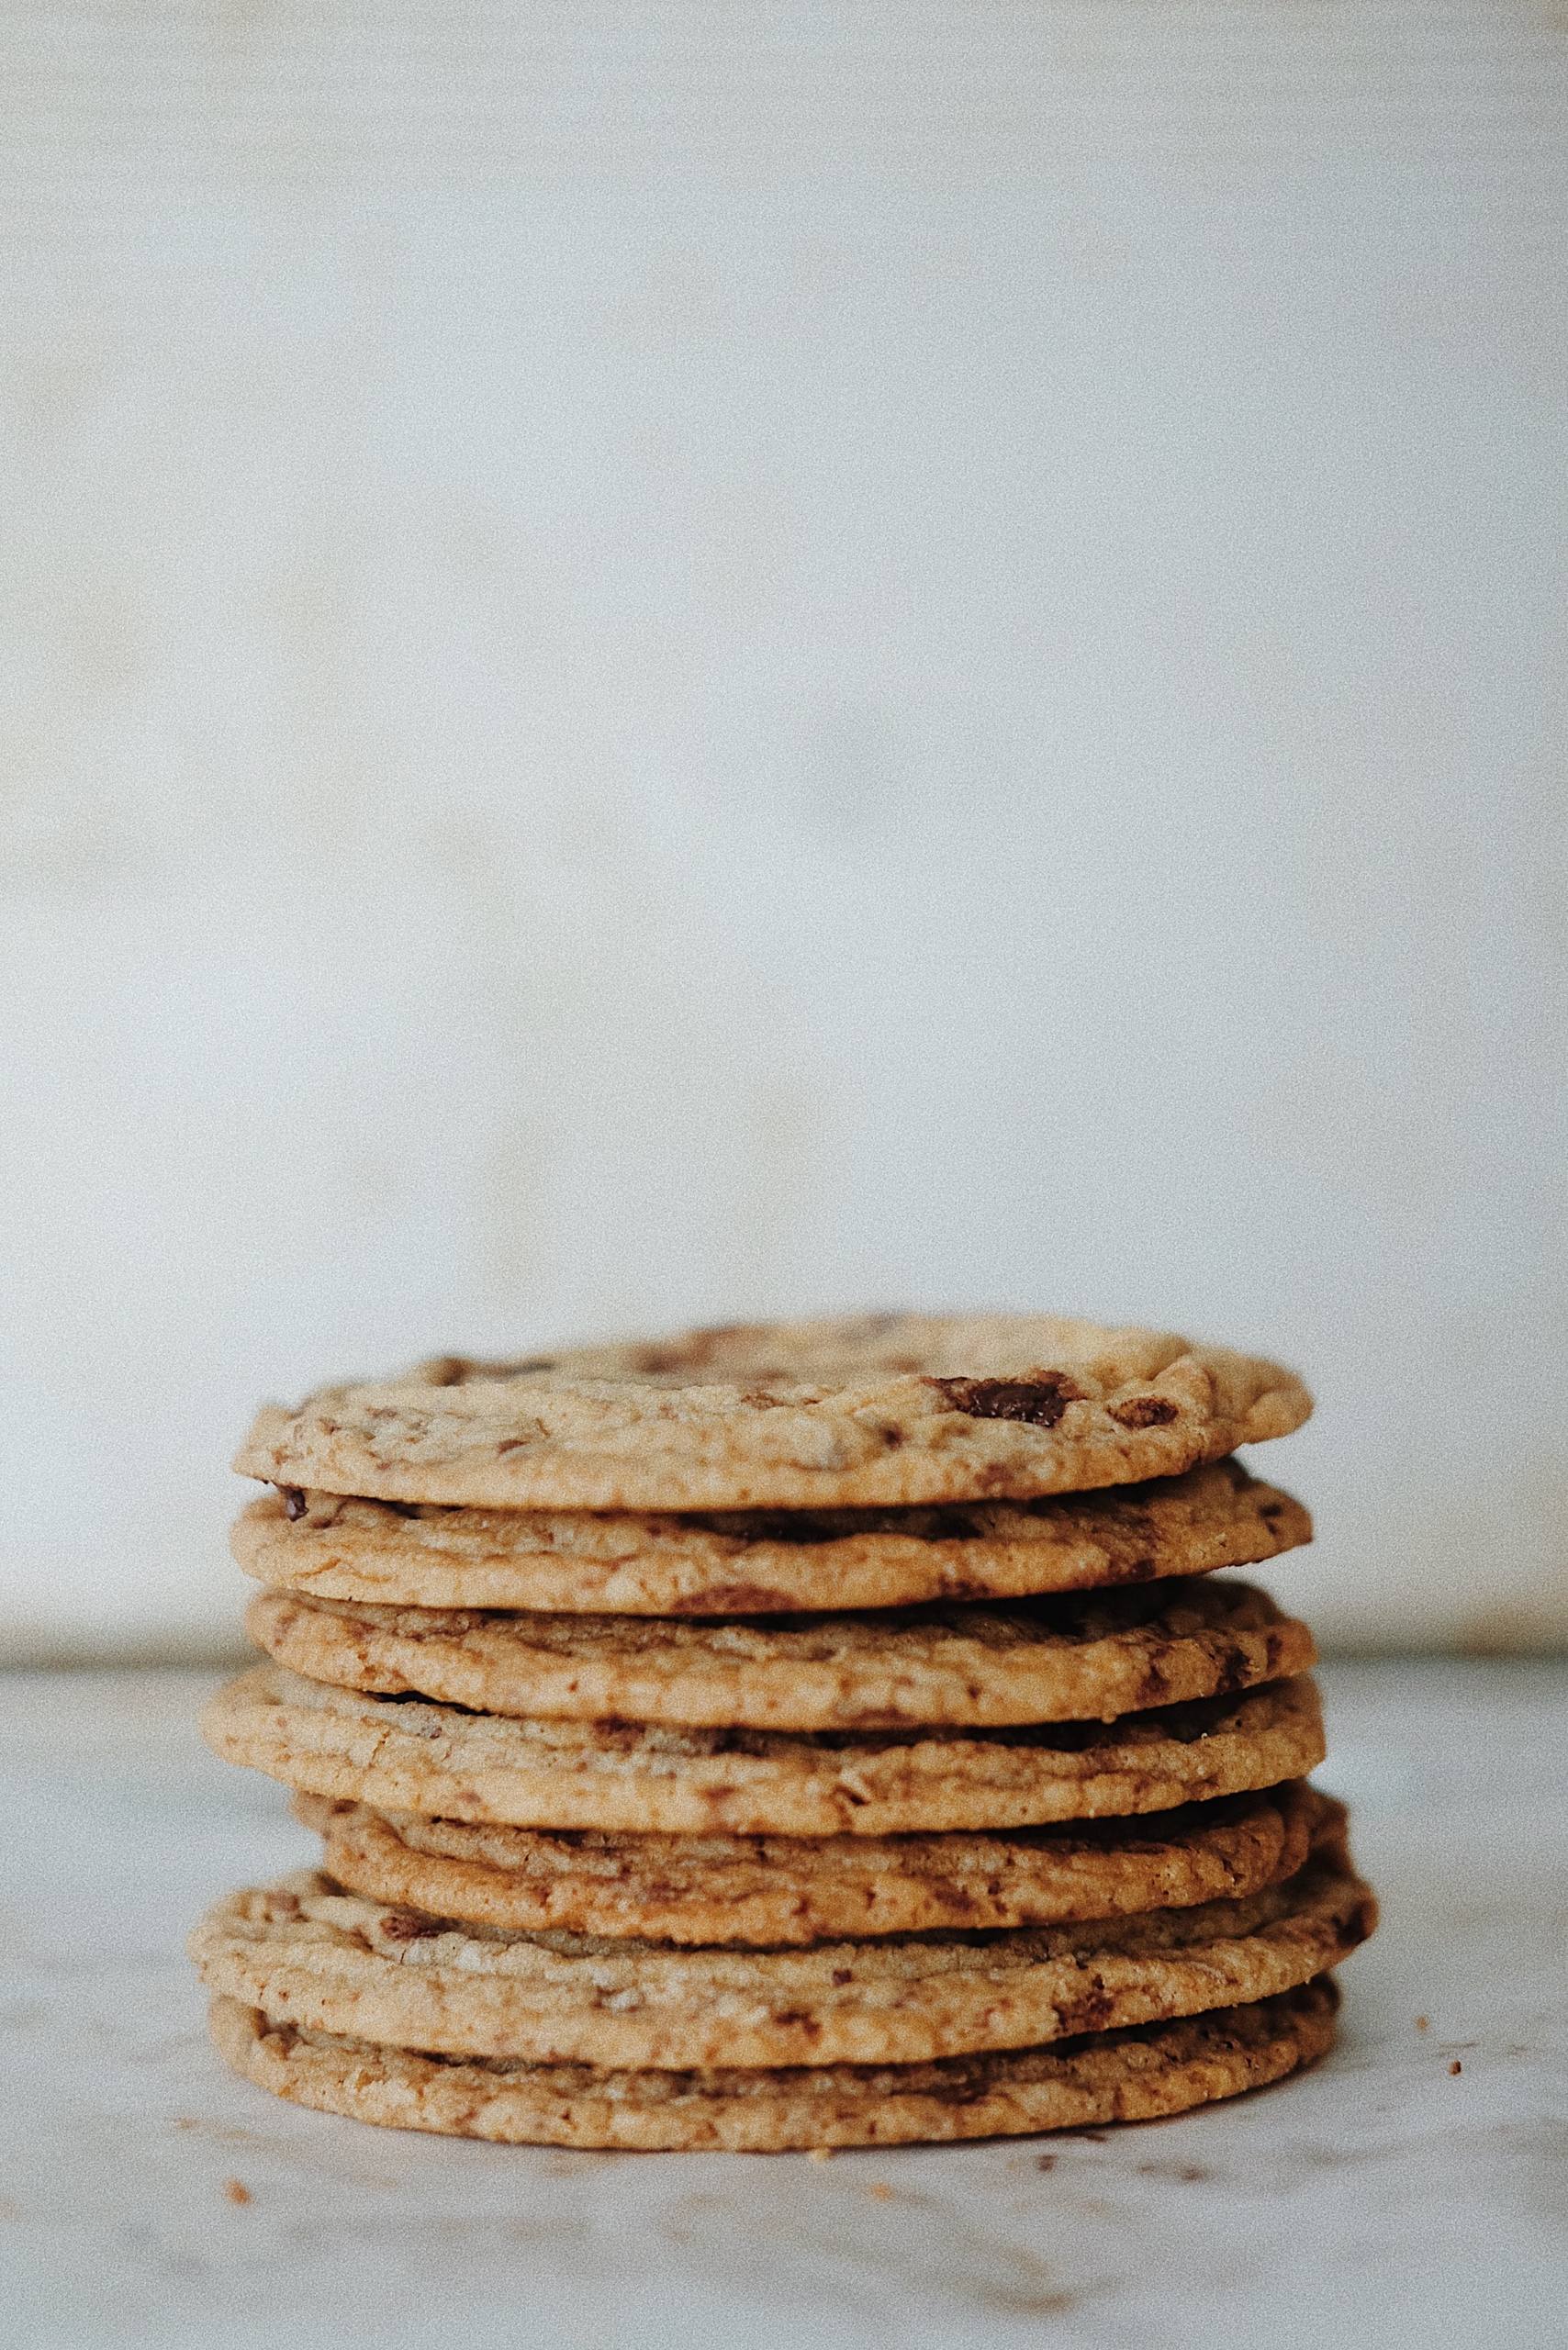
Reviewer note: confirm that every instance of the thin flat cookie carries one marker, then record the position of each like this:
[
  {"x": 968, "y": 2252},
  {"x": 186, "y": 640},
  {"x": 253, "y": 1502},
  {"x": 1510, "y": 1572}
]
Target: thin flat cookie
[
  {"x": 400, "y": 1754},
  {"x": 335, "y": 1546},
  {"x": 1136, "y": 2075},
  {"x": 306, "y": 1953},
  {"x": 779, "y": 1890},
  {"x": 1078, "y": 1657},
  {"x": 882, "y": 1410}
]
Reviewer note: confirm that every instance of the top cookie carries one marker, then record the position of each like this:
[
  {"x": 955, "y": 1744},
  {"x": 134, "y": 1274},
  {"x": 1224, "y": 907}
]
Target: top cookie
[{"x": 876, "y": 1410}]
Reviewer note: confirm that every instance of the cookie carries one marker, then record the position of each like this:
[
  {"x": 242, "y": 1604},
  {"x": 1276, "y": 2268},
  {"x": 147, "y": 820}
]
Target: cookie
[
  {"x": 411, "y": 1554},
  {"x": 783, "y": 1890},
  {"x": 305, "y": 1951},
  {"x": 1080, "y": 1657},
  {"x": 400, "y": 1754},
  {"x": 877, "y": 1411},
  {"x": 1133, "y": 2075}
]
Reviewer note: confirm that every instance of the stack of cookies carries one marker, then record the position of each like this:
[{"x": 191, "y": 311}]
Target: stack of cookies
[{"x": 803, "y": 1735}]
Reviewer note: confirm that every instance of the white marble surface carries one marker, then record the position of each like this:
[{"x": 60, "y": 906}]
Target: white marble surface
[{"x": 1383, "y": 2199}]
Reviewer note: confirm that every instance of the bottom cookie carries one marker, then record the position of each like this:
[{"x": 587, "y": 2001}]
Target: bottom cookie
[{"x": 1133, "y": 2075}]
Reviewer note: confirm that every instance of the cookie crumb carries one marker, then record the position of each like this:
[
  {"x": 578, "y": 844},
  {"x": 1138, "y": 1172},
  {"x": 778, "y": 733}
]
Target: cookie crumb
[
  {"x": 237, "y": 2191},
  {"x": 1423, "y": 2024},
  {"x": 881, "y": 2190},
  {"x": 822, "y": 2153},
  {"x": 1456, "y": 2066},
  {"x": 1044, "y": 2162}
]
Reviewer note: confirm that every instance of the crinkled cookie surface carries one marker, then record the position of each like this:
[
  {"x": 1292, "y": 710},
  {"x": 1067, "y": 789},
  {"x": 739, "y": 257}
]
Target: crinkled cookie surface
[{"x": 878, "y": 1410}]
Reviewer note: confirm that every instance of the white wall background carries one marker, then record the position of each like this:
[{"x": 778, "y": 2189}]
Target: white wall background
[{"x": 667, "y": 661}]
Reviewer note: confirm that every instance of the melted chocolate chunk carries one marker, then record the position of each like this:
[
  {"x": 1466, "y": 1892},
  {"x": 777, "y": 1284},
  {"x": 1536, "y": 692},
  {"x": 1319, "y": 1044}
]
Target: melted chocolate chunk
[
  {"x": 399, "y": 1926},
  {"x": 293, "y": 1500},
  {"x": 1145, "y": 1411},
  {"x": 1040, "y": 1401}
]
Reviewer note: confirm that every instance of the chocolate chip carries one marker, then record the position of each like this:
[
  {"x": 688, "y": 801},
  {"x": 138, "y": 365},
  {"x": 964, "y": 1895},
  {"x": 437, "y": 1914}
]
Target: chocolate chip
[
  {"x": 1090, "y": 2011},
  {"x": 1040, "y": 1401},
  {"x": 293, "y": 1501},
  {"x": 1144, "y": 1412},
  {"x": 398, "y": 1926},
  {"x": 1235, "y": 1671}
]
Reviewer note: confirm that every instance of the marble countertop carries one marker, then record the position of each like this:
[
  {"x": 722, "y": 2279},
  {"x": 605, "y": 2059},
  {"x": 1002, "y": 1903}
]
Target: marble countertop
[{"x": 1416, "y": 2184}]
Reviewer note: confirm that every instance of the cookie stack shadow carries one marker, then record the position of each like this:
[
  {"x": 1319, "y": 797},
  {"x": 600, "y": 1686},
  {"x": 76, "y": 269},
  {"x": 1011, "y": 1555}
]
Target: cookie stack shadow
[{"x": 790, "y": 1736}]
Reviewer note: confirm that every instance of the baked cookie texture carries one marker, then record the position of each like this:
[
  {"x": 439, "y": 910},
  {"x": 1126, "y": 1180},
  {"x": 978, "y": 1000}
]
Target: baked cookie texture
[
  {"x": 1088, "y": 1656},
  {"x": 305, "y": 1951},
  {"x": 876, "y": 1410},
  {"x": 335, "y": 1546},
  {"x": 791, "y": 1735},
  {"x": 401, "y": 1754},
  {"x": 1135, "y": 2076},
  {"x": 784, "y": 1890}
]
